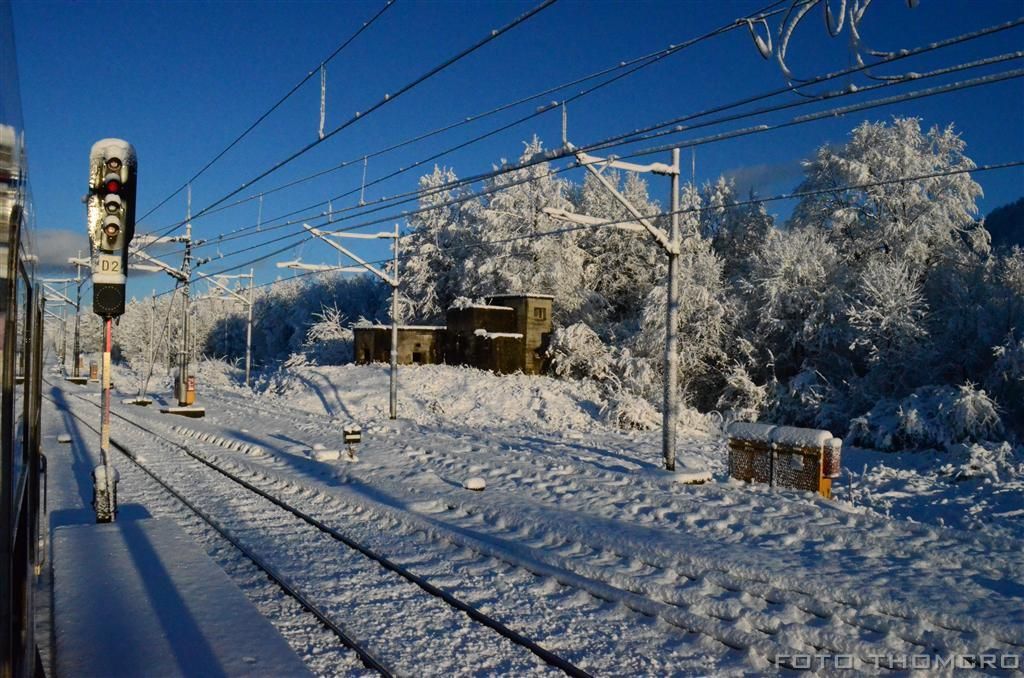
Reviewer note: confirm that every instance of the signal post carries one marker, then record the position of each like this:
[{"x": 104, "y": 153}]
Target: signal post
[{"x": 110, "y": 213}]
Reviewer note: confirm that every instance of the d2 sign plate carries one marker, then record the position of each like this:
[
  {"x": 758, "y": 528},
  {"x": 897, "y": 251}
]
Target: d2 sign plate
[{"x": 108, "y": 269}]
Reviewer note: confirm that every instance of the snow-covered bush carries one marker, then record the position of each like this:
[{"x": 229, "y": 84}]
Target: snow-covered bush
[
  {"x": 742, "y": 399},
  {"x": 995, "y": 462},
  {"x": 626, "y": 410},
  {"x": 329, "y": 339},
  {"x": 577, "y": 352},
  {"x": 930, "y": 417},
  {"x": 1006, "y": 379}
]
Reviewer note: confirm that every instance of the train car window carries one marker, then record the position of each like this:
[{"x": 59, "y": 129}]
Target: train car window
[{"x": 21, "y": 383}]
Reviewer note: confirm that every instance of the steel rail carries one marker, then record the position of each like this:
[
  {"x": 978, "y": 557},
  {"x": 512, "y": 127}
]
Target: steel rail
[
  {"x": 473, "y": 613},
  {"x": 367, "y": 659}
]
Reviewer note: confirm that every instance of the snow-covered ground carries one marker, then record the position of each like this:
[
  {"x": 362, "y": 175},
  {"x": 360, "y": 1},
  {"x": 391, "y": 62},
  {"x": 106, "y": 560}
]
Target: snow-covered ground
[
  {"x": 730, "y": 575},
  {"x": 973, "y": 488}
]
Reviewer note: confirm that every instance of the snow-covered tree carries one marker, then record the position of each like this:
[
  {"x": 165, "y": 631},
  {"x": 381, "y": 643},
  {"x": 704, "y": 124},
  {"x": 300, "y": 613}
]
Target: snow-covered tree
[
  {"x": 434, "y": 248},
  {"x": 516, "y": 255},
  {"x": 887, "y": 313},
  {"x": 703, "y": 313},
  {"x": 795, "y": 286},
  {"x": 908, "y": 220},
  {"x": 622, "y": 266}
]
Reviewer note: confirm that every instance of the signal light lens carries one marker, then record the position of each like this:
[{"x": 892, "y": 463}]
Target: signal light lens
[
  {"x": 114, "y": 164},
  {"x": 112, "y": 227},
  {"x": 112, "y": 204},
  {"x": 113, "y": 186}
]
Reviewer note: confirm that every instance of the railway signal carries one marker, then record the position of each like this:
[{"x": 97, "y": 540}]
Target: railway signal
[
  {"x": 110, "y": 214},
  {"x": 111, "y": 221}
]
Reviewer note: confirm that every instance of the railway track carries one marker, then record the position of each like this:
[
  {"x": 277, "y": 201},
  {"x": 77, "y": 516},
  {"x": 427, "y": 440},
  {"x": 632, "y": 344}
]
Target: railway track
[
  {"x": 549, "y": 472},
  {"x": 303, "y": 624},
  {"x": 749, "y": 611},
  {"x": 248, "y": 536},
  {"x": 551, "y": 475},
  {"x": 843, "y": 623}
]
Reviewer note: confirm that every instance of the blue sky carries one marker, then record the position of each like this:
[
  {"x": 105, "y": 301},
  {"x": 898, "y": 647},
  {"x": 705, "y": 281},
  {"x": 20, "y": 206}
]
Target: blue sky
[{"x": 180, "y": 80}]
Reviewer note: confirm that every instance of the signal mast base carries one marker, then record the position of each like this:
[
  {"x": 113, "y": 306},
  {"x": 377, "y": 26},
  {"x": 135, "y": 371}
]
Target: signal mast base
[{"x": 185, "y": 411}]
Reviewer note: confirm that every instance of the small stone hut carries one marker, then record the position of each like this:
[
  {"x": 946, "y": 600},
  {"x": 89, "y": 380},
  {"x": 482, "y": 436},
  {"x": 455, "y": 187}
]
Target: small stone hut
[
  {"x": 508, "y": 333},
  {"x": 417, "y": 344}
]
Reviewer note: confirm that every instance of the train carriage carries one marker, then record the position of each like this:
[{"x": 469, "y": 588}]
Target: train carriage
[{"x": 21, "y": 311}]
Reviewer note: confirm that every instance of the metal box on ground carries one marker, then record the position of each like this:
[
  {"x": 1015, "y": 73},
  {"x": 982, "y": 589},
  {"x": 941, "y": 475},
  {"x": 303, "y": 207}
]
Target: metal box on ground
[{"x": 784, "y": 456}]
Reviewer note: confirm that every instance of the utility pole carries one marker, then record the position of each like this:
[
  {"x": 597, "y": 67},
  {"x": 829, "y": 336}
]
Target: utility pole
[
  {"x": 64, "y": 332},
  {"x": 248, "y": 329},
  {"x": 49, "y": 286},
  {"x": 186, "y": 272},
  {"x": 391, "y": 280},
  {"x": 76, "y": 367},
  {"x": 672, "y": 244},
  {"x": 671, "y": 397},
  {"x": 141, "y": 399},
  {"x": 393, "y": 400},
  {"x": 183, "y": 276}
]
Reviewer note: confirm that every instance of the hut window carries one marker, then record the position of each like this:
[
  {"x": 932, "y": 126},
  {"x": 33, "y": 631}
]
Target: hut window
[{"x": 540, "y": 313}]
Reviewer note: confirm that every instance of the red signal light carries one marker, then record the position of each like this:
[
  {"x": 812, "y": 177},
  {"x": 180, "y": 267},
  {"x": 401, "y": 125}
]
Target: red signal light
[{"x": 113, "y": 186}]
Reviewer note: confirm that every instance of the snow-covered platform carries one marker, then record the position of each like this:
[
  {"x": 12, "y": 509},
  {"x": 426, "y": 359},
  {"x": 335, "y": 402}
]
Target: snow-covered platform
[{"x": 137, "y": 597}]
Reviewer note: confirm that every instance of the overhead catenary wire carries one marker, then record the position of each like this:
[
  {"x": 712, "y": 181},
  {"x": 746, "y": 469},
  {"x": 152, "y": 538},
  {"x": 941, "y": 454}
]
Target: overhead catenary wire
[
  {"x": 303, "y": 238},
  {"x": 612, "y": 223},
  {"x": 274, "y": 107},
  {"x": 387, "y": 99},
  {"x": 686, "y": 210},
  {"x": 731, "y": 206},
  {"x": 638, "y": 133},
  {"x": 633, "y": 65},
  {"x": 829, "y": 113}
]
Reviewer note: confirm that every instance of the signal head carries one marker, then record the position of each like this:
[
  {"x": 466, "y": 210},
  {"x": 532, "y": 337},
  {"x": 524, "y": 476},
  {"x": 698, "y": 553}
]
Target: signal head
[
  {"x": 112, "y": 203},
  {"x": 112, "y": 183},
  {"x": 112, "y": 227},
  {"x": 113, "y": 169}
]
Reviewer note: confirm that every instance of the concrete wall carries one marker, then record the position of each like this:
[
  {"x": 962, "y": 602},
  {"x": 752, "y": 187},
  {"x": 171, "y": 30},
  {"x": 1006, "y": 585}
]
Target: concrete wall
[
  {"x": 458, "y": 343},
  {"x": 503, "y": 355},
  {"x": 533, "y": 321},
  {"x": 461, "y": 347},
  {"x": 416, "y": 345}
]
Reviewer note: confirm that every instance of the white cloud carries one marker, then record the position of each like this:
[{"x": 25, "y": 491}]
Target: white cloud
[
  {"x": 766, "y": 178},
  {"x": 53, "y": 246}
]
